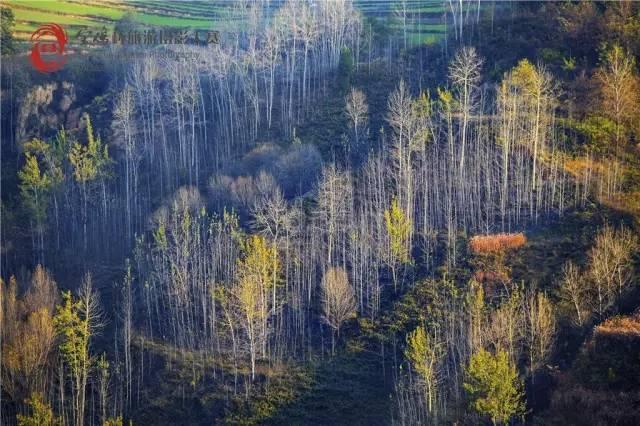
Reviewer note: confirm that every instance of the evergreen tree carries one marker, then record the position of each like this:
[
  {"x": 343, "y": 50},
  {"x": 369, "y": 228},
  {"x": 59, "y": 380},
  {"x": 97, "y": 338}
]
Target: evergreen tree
[
  {"x": 35, "y": 188},
  {"x": 41, "y": 413},
  {"x": 34, "y": 185},
  {"x": 7, "y": 21},
  {"x": 76, "y": 321},
  {"x": 90, "y": 163},
  {"x": 494, "y": 387}
]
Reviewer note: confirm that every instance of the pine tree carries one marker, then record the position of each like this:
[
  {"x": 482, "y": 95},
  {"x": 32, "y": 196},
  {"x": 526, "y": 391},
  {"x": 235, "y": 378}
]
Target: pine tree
[
  {"x": 76, "y": 322},
  {"x": 41, "y": 413},
  {"x": 493, "y": 386},
  {"x": 7, "y": 40},
  {"x": 35, "y": 187},
  {"x": 90, "y": 162}
]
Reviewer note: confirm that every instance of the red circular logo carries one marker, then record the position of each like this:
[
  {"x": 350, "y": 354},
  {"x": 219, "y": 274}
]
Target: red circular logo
[{"x": 48, "y": 55}]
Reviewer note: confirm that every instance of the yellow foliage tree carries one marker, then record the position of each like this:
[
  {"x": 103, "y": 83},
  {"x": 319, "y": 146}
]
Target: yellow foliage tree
[
  {"x": 423, "y": 352},
  {"x": 536, "y": 89},
  {"x": 114, "y": 421},
  {"x": 399, "y": 233},
  {"x": 75, "y": 322},
  {"x": 89, "y": 162},
  {"x": 619, "y": 85},
  {"x": 338, "y": 300},
  {"x": 35, "y": 186},
  {"x": 257, "y": 274},
  {"x": 41, "y": 413},
  {"x": 28, "y": 335},
  {"x": 476, "y": 308}
]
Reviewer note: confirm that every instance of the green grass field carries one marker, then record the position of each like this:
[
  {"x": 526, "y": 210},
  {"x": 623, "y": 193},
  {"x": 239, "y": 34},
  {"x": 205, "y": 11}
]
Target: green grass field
[
  {"x": 73, "y": 14},
  {"x": 425, "y": 17}
]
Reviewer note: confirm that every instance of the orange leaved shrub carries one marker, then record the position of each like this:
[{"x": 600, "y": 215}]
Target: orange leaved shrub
[
  {"x": 488, "y": 244},
  {"x": 621, "y": 326}
]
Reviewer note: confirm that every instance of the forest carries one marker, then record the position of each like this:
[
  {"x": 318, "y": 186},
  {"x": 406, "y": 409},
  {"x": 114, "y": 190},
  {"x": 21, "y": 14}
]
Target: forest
[{"x": 337, "y": 213}]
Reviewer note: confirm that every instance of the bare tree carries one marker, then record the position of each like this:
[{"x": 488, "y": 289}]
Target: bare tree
[
  {"x": 334, "y": 203},
  {"x": 464, "y": 74},
  {"x": 28, "y": 335},
  {"x": 537, "y": 90},
  {"x": 43, "y": 292},
  {"x": 618, "y": 85},
  {"x": 507, "y": 325},
  {"x": 338, "y": 300},
  {"x": 272, "y": 217},
  {"x": 127, "y": 333},
  {"x": 308, "y": 33},
  {"x": 406, "y": 116},
  {"x": 541, "y": 327},
  {"x": 610, "y": 264},
  {"x": 401, "y": 12},
  {"x": 476, "y": 313},
  {"x": 357, "y": 110},
  {"x": 76, "y": 322},
  {"x": 124, "y": 125},
  {"x": 574, "y": 290}
]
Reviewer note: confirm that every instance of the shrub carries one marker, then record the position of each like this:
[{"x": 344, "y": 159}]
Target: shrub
[
  {"x": 621, "y": 326},
  {"x": 497, "y": 243}
]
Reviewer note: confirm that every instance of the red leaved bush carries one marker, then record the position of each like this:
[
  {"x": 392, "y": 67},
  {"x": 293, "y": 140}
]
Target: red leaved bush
[{"x": 488, "y": 244}]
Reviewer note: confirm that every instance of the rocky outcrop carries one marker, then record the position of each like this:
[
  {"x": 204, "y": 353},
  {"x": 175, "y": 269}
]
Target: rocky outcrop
[{"x": 47, "y": 108}]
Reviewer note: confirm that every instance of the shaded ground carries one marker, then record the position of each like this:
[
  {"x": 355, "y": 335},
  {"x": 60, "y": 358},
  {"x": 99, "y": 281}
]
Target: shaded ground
[{"x": 349, "y": 389}]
